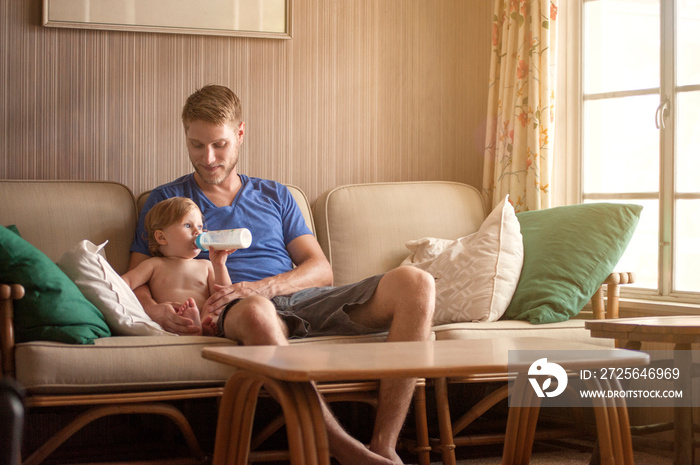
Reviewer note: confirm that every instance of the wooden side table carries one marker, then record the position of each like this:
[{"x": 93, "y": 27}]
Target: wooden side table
[
  {"x": 289, "y": 372},
  {"x": 682, "y": 331}
]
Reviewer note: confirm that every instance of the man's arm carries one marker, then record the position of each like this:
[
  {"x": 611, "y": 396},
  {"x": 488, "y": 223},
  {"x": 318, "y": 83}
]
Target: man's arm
[
  {"x": 312, "y": 270},
  {"x": 165, "y": 314}
]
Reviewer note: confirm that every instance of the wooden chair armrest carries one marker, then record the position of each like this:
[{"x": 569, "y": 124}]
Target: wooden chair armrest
[
  {"x": 613, "y": 283},
  {"x": 8, "y": 293}
]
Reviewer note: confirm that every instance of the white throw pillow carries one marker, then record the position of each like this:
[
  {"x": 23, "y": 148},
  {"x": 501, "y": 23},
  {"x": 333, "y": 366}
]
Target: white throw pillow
[
  {"x": 476, "y": 275},
  {"x": 107, "y": 291},
  {"x": 425, "y": 251}
]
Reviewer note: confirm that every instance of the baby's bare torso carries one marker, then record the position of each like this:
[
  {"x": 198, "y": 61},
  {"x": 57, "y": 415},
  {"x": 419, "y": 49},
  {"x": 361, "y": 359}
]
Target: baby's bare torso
[{"x": 177, "y": 279}]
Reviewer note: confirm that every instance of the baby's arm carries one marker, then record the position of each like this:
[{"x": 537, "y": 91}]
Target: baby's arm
[
  {"x": 218, "y": 275},
  {"x": 218, "y": 261},
  {"x": 139, "y": 275}
]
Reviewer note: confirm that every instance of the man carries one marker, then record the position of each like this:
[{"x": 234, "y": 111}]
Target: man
[{"x": 282, "y": 283}]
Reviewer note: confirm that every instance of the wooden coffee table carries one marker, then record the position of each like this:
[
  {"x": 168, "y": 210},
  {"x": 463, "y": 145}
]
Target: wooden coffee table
[
  {"x": 682, "y": 331},
  {"x": 289, "y": 372}
]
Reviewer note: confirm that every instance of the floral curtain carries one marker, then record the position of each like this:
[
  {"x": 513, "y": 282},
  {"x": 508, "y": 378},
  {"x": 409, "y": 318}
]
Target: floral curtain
[{"x": 520, "y": 124}]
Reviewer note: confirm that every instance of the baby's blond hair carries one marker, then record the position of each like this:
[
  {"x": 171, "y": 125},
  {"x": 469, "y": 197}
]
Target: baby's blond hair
[{"x": 162, "y": 215}]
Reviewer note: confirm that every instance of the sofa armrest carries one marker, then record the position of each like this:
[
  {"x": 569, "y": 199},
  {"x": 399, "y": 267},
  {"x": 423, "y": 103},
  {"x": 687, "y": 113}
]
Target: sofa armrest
[
  {"x": 612, "y": 283},
  {"x": 8, "y": 293}
]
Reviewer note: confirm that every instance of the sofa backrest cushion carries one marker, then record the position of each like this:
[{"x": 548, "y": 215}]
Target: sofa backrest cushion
[
  {"x": 54, "y": 216},
  {"x": 363, "y": 228}
]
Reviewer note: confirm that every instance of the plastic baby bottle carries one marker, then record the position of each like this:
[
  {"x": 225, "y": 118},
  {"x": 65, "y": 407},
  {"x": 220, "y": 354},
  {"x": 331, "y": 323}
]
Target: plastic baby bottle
[{"x": 224, "y": 239}]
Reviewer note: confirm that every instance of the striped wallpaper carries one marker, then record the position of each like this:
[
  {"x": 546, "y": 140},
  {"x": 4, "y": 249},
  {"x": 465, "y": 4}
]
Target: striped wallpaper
[{"x": 366, "y": 91}]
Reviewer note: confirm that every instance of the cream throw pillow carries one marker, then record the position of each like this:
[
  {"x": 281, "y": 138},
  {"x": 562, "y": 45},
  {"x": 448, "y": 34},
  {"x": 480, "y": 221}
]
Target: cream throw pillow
[
  {"x": 476, "y": 275},
  {"x": 107, "y": 291}
]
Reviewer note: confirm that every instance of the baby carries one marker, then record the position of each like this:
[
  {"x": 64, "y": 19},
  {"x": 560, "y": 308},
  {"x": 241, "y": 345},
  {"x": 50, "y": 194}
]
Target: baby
[{"x": 173, "y": 274}]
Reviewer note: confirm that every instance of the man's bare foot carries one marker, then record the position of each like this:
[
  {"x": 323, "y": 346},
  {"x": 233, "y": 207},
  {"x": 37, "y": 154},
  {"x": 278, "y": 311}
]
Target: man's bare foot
[
  {"x": 391, "y": 455},
  {"x": 189, "y": 310},
  {"x": 358, "y": 453},
  {"x": 384, "y": 450},
  {"x": 348, "y": 450}
]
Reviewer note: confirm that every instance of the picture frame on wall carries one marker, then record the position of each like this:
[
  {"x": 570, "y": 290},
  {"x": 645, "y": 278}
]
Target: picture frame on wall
[{"x": 270, "y": 19}]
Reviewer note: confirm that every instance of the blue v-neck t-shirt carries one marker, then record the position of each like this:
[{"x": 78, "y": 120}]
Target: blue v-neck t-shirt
[{"x": 265, "y": 207}]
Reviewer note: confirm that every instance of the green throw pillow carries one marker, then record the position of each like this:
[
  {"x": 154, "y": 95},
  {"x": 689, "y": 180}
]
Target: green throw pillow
[
  {"x": 53, "y": 308},
  {"x": 569, "y": 252}
]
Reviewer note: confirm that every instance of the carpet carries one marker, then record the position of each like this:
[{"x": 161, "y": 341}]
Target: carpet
[
  {"x": 568, "y": 458},
  {"x": 569, "y": 452}
]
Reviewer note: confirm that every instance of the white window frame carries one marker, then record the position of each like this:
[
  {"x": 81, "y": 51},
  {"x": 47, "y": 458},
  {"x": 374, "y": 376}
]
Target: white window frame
[{"x": 568, "y": 162}]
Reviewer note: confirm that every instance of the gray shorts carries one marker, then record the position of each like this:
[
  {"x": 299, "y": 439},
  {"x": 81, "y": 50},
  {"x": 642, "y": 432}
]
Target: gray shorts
[{"x": 320, "y": 311}]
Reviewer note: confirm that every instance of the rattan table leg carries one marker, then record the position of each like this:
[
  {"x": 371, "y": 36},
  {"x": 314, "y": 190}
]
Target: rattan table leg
[
  {"x": 306, "y": 431},
  {"x": 447, "y": 442},
  {"x": 235, "y": 423},
  {"x": 422, "y": 448},
  {"x": 684, "y": 450},
  {"x": 612, "y": 424},
  {"x": 522, "y": 420}
]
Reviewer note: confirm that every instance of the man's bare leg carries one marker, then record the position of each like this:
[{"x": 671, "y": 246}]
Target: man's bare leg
[
  {"x": 254, "y": 321},
  {"x": 404, "y": 301}
]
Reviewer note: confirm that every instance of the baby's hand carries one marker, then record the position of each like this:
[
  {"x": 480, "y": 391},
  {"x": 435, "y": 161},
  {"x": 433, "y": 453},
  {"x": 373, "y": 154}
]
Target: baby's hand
[{"x": 220, "y": 256}]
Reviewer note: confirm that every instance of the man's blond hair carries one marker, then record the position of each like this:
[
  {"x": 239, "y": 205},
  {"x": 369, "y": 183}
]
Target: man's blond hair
[{"x": 213, "y": 104}]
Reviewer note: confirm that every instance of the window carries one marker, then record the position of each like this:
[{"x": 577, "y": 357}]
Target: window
[{"x": 640, "y": 132}]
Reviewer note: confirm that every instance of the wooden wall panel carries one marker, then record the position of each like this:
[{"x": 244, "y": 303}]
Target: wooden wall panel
[{"x": 366, "y": 91}]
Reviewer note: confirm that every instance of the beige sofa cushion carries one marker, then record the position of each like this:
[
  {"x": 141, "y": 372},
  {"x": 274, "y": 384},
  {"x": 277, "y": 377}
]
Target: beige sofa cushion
[
  {"x": 118, "y": 364},
  {"x": 53, "y": 216},
  {"x": 131, "y": 363},
  {"x": 571, "y": 330},
  {"x": 362, "y": 229}
]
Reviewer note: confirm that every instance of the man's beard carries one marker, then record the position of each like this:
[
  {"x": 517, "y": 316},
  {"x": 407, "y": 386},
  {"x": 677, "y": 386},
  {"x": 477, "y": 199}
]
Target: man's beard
[{"x": 219, "y": 177}]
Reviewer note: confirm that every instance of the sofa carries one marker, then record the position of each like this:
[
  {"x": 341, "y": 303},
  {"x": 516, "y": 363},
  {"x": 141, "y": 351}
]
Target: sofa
[{"x": 362, "y": 229}]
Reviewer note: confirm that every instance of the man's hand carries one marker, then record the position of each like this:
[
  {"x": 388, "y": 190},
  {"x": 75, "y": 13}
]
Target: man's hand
[
  {"x": 226, "y": 294},
  {"x": 312, "y": 270},
  {"x": 166, "y": 315}
]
